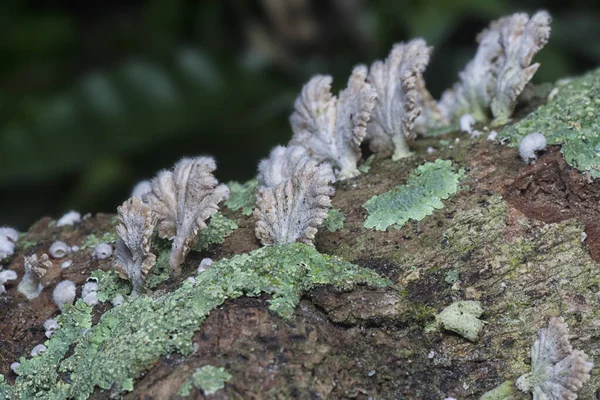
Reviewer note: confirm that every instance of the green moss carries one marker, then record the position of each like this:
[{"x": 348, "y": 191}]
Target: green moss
[
  {"x": 218, "y": 229},
  {"x": 110, "y": 285},
  {"x": 505, "y": 391},
  {"x": 209, "y": 379},
  {"x": 130, "y": 338},
  {"x": 421, "y": 196},
  {"x": 570, "y": 118},
  {"x": 241, "y": 196},
  {"x": 335, "y": 220},
  {"x": 92, "y": 240}
]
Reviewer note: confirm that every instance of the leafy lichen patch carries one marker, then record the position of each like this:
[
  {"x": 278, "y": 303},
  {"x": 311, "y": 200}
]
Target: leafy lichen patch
[
  {"x": 218, "y": 229},
  {"x": 571, "y": 118},
  {"x": 335, "y": 220},
  {"x": 93, "y": 240},
  {"x": 241, "y": 196},
  {"x": 209, "y": 379},
  {"x": 422, "y": 194},
  {"x": 131, "y": 337}
]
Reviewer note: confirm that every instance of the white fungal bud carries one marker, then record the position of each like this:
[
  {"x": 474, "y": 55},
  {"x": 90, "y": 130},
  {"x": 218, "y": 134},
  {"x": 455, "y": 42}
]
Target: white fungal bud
[
  {"x": 70, "y": 218},
  {"x": 89, "y": 287},
  {"x": 91, "y": 299},
  {"x": 205, "y": 263},
  {"x": 64, "y": 293},
  {"x": 8, "y": 239},
  {"x": 492, "y": 136},
  {"x": 118, "y": 300},
  {"x": 15, "y": 367},
  {"x": 66, "y": 264},
  {"x": 50, "y": 326},
  {"x": 530, "y": 144},
  {"x": 102, "y": 251},
  {"x": 59, "y": 249},
  {"x": 466, "y": 123},
  {"x": 37, "y": 350},
  {"x": 6, "y": 275}
]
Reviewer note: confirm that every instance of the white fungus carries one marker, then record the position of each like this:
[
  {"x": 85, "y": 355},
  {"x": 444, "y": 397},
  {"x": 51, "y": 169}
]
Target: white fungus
[
  {"x": 59, "y": 249},
  {"x": 102, "y": 251},
  {"x": 7, "y": 275},
  {"x": 492, "y": 136},
  {"x": 74, "y": 249},
  {"x": 205, "y": 263},
  {"x": 70, "y": 218},
  {"x": 141, "y": 189},
  {"x": 8, "y": 239},
  {"x": 118, "y": 300},
  {"x": 466, "y": 123},
  {"x": 531, "y": 143},
  {"x": 430, "y": 150},
  {"x": 50, "y": 326},
  {"x": 37, "y": 350},
  {"x": 15, "y": 367},
  {"x": 64, "y": 293},
  {"x": 583, "y": 236},
  {"x": 66, "y": 264},
  {"x": 91, "y": 299}
]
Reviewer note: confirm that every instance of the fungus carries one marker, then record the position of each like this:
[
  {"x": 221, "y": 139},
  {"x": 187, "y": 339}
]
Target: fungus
[
  {"x": 466, "y": 123},
  {"x": 37, "y": 350},
  {"x": 141, "y": 189},
  {"x": 50, "y": 326},
  {"x": 118, "y": 300},
  {"x": 281, "y": 165},
  {"x": 557, "y": 371},
  {"x": 492, "y": 136},
  {"x": 64, "y": 293},
  {"x": 396, "y": 106},
  {"x": 15, "y": 367},
  {"x": 332, "y": 129},
  {"x": 70, "y": 218},
  {"x": 205, "y": 263},
  {"x": 59, "y": 249},
  {"x": 89, "y": 293},
  {"x": 8, "y": 239},
  {"x": 5, "y": 276},
  {"x": 66, "y": 264},
  {"x": 102, "y": 251},
  {"x": 184, "y": 199},
  {"x": 531, "y": 143},
  {"x": 35, "y": 269},
  {"x": 294, "y": 209},
  {"x": 134, "y": 259},
  {"x": 521, "y": 38}
]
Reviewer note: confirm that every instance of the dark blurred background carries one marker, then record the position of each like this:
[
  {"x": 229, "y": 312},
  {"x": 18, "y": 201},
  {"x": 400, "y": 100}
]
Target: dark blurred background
[{"x": 97, "y": 95}]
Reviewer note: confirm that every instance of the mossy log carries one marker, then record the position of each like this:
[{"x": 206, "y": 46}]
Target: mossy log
[{"x": 523, "y": 240}]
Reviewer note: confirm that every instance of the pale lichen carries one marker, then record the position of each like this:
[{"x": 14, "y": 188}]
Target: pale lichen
[
  {"x": 241, "y": 196},
  {"x": 209, "y": 379},
  {"x": 419, "y": 197}
]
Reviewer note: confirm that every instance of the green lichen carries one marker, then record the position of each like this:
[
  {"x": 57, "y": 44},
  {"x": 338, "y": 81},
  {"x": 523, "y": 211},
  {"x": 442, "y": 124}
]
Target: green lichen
[
  {"x": 571, "y": 118},
  {"x": 110, "y": 285},
  {"x": 93, "y": 240},
  {"x": 130, "y": 338},
  {"x": 419, "y": 197},
  {"x": 209, "y": 379},
  {"x": 161, "y": 270},
  {"x": 241, "y": 196},
  {"x": 218, "y": 229},
  {"x": 451, "y": 277},
  {"x": 335, "y": 220},
  {"x": 461, "y": 317},
  {"x": 506, "y": 391}
]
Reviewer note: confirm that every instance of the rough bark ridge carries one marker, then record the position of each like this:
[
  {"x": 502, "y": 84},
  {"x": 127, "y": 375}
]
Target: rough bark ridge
[{"x": 511, "y": 238}]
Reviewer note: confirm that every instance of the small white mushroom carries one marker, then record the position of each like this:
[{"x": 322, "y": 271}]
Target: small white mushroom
[
  {"x": 205, "y": 263},
  {"x": 492, "y": 136},
  {"x": 102, "y": 251},
  {"x": 530, "y": 144},
  {"x": 70, "y": 218},
  {"x": 59, "y": 249},
  {"x": 8, "y": 239},
  {"x": 50, "y": 326},
  {"x": 90, "y": 293},
  {"x": 37, "y": 350},
  {"x": 91, "y": 299},
  {"x": 118, "y": 300},
  {"x": 466, "y": 123},
  {"x": 74, "y": 249},
  {"x": 15, "y": 367},
  {"x": 64, "y": 293},
  {"x": 66, "y": 264},
  {"x": 6, "y": 275}
]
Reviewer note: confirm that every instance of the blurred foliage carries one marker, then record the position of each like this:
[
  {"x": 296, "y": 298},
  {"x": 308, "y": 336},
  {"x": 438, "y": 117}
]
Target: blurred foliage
[{"x": 96, "y": 96}]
